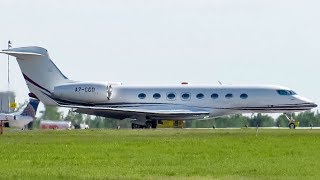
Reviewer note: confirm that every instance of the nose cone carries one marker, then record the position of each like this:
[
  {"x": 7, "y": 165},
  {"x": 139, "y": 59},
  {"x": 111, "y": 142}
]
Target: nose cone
[
  {"x": 314, "y": 105},
  {"x": 307, "y": 102}
]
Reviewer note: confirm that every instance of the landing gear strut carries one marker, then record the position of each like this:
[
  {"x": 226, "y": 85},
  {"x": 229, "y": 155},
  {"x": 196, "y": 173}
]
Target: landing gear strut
[
  {"x": 136, "y": 126},
  {"x": 152, "y": 124}
]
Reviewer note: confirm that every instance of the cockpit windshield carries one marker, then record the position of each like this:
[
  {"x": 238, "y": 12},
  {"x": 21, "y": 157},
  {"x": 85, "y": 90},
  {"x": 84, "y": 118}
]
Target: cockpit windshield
[{"x": 286, "y": 92}]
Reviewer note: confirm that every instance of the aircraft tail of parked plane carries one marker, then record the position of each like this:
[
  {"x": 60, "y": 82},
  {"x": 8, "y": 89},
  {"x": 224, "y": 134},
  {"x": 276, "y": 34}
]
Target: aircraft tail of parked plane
[
  {"x": 31, "y": 108},
  {"x": 148, "y": 105},
  {"x": 20, "y": 120}
]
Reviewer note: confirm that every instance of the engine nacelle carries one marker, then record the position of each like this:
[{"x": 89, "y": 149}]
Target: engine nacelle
[{"x": 83, "y": 92}]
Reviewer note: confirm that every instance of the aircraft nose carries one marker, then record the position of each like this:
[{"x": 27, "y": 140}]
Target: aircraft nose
[
  {"x": 313, "y": 105},
  {"x": 308, "y": 102}
]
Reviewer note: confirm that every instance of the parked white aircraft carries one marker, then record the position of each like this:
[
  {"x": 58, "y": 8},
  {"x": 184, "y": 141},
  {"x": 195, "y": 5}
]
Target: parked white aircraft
[
  {"x": 149, "y": 104},
  {"x": 20, "y": 120}
]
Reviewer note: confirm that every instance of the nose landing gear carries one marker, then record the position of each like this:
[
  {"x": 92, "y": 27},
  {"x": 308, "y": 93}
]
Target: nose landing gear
[{"x": 291, "y": 121}]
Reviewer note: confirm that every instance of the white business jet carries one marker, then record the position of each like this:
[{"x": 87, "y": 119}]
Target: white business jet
[
  {"x": 20, "y": 120},
  {"x": 148, "y": 105}
]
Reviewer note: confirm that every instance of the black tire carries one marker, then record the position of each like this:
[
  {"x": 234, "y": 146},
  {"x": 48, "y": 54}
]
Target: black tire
[
  {"x": 135, "y": 126},
  {"x": 292, "y": 126},
  {"x": 154, "y": 124}
]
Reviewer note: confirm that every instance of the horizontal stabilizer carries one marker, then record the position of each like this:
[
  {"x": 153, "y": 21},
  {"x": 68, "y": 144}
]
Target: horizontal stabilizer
[{"x": 19, "y": 54}]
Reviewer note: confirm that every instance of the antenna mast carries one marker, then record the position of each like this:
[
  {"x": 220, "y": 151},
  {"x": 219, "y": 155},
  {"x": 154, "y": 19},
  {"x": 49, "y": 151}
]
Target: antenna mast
[
  {"x": 9, "y": 99},
  {"x": 9, "y": 46}
]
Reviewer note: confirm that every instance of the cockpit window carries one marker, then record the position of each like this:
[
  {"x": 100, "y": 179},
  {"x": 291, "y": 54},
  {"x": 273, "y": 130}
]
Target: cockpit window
[
  {"x": 293, "y": 93},
  {"x": 286, "y": 92}
]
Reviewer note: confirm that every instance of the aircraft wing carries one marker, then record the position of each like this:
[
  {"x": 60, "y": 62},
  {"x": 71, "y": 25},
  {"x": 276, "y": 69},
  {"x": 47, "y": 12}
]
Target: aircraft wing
[{"x": 155, "y": 111}]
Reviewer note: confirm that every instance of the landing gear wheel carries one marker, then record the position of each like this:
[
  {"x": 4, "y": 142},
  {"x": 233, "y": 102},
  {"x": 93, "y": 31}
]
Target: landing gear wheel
[
  {"x": 292, "y": 125},
  {"x": 148, "y": 125},
  {"x": 135, "y": 126}
]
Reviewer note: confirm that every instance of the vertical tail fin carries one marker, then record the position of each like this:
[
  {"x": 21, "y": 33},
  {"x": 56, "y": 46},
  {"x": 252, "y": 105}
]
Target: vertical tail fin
[
  {"x": 31, "y": 108},
  {"x": 39, "y": 72}
]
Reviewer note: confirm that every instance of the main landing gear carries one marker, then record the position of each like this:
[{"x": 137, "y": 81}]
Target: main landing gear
[
  {"x": 291, "y": 121},
  {"x": 147, "y": 125}
]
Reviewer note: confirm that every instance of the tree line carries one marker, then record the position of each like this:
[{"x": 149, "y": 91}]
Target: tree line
[{"x": 306, "y": 119}]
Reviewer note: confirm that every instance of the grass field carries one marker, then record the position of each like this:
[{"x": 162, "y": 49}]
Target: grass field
[{"x": 160, "y": 154}]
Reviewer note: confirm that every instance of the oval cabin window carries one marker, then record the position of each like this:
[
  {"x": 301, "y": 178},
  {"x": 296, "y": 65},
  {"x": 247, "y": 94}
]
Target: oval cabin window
[
  {"x": 185, "y": 96},
  {"x": 171, "y": 96},
  {"x": 229, "y": 96},
  {"x": 142, "y": 95},
  {"x": 200, "y": 96},
  {"x": 156, "y": 96},
  {"x": 214, "y": 96},
  {"x": 244, "y": 96}
]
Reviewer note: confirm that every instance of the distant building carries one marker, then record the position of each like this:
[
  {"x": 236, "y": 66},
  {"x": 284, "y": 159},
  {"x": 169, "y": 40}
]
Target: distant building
[{"x": 7, "y": 101}]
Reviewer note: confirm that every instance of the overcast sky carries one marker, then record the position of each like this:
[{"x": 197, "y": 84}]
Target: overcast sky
[{"x": 168, "y": 41}]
